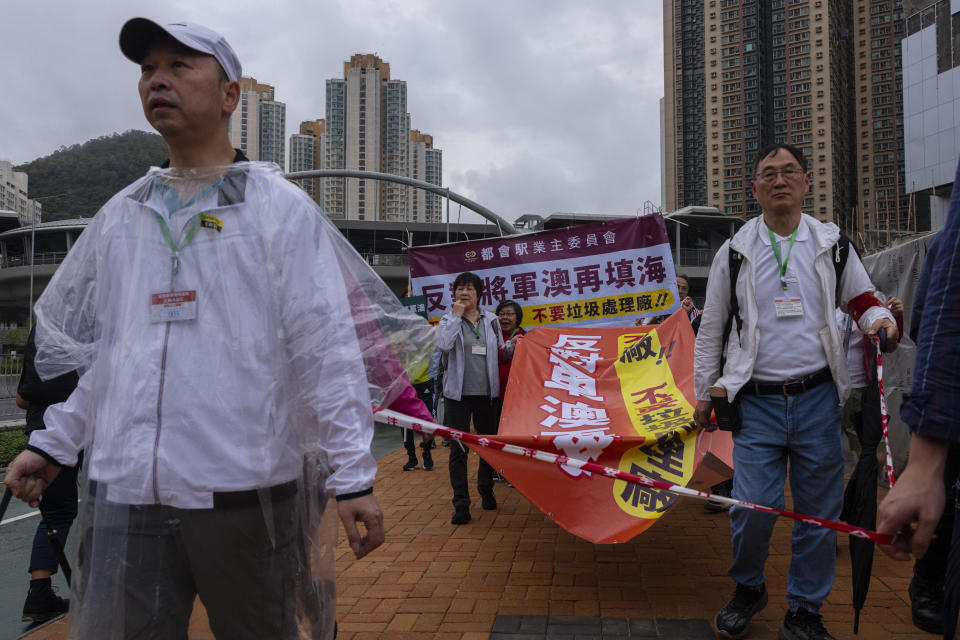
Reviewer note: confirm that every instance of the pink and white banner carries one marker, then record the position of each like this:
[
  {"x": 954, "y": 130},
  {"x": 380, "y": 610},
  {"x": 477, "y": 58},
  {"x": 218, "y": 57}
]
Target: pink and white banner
[{"x": 606, "y": 273}]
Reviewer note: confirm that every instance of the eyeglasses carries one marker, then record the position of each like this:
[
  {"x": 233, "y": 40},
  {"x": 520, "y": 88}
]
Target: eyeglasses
[
  {"x": 789, "y": 173},
  {"x": 508, "y": 313}
]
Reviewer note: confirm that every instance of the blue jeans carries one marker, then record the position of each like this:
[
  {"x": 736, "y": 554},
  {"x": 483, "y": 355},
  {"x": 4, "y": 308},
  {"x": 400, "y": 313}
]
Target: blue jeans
[{"x": 804, "y": 429}]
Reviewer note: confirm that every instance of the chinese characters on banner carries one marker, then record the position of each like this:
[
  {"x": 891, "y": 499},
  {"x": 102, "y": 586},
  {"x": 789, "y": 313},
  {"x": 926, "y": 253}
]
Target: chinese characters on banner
[
  {"x": 619, "y": 397},
  {"x": 599, "y": 274}
]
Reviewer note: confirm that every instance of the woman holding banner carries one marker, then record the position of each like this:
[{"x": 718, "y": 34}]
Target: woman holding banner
[{"x": 472, "y": 345}]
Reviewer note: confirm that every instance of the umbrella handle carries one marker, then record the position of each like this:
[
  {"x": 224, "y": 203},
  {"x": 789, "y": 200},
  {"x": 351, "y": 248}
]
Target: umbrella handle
[
  {"x": 5, "y": 502},
  {"x": 58, "y": 550},
  {"x": 882, "y": 335}
]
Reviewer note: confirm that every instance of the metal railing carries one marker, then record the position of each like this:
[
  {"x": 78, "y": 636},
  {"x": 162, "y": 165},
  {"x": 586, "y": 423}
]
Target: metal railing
[
  {"x": 10, "y": 375},
  {"x": 696, "y": 257},
  {"x": 50, "y": 257},
  {"x": 386, "y": 259}
]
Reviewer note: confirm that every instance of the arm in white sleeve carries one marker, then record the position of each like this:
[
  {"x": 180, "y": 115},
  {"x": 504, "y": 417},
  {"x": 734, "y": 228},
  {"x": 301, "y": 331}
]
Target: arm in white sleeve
[
  {"x": 322, "y": 345},
  {"x": 708, "y": 349},
  {"x": 68, "y": 424}
]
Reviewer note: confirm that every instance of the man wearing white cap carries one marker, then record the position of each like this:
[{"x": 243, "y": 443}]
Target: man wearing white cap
[{"x": 208, "y": 307}]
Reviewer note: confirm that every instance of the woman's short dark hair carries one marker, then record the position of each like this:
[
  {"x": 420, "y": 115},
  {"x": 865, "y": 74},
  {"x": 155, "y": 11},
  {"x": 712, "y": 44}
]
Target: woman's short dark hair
[
  {"x": 469, "y": 278},
  {"x": 516, "y": 308}
]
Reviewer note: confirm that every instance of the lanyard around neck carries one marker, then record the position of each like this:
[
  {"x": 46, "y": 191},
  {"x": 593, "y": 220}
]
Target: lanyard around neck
[
  {"x": 475, "y": 329},
  {"x": 174, "y": 247},
  {"x": 782, "y": 263}
]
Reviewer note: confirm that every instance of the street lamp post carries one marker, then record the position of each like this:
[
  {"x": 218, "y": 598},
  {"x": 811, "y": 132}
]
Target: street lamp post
[{"x": 406, "y": 247}]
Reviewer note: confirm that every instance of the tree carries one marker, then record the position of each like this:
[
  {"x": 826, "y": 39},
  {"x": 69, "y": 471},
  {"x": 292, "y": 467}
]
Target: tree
[{"x": 90, "y": 173}]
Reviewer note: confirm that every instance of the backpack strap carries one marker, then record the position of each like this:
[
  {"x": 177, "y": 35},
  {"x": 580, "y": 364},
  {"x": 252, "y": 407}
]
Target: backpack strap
[
  {"x": 840, "y": 253},
  {"x": 734, "y": 261}
]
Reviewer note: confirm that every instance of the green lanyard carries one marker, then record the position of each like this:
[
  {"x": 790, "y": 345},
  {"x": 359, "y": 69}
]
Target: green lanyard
[
  {"x": 776, "y": 251},
  {"x": 191, "y": 230},
  {"x": 475, "y": 330},
  {"x": 174, "y": 247}
]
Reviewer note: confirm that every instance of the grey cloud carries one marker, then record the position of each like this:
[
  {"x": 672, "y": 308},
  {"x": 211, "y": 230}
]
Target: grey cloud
[{"x": 538, "y": 105}]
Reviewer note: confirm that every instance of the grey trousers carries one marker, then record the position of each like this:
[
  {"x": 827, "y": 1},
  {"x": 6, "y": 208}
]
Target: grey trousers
[{"x": 141, "y": 567}]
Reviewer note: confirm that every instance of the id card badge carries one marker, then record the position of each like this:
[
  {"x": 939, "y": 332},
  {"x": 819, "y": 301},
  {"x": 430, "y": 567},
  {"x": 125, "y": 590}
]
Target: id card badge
[
  {"x": 173, "y": 306},
  {"x": 479, "y": 349},
  {"x": 788, "y": 307}
]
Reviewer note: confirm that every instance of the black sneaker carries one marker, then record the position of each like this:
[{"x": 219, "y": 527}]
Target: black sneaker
[
  {"x": 411, "y": 463},
  {"x": 803, "y": 625},
  {"x": 733, "y": 620},
  {"x": 488, "y": 501},
  {"x": 427, "y": 458},
  {"x": 926, "y": 605},
  {"x": 42, "y": 602},
  {"x": 461, "y": 516}
]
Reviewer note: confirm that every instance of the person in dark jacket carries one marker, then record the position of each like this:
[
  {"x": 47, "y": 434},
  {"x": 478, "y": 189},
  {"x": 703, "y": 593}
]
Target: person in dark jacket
[{"x": 59, "y": 500}]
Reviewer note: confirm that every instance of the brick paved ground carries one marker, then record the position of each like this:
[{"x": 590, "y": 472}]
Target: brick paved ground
[{"x": 433, "y": 580}]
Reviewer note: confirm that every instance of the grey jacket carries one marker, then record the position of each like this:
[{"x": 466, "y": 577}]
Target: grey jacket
[{"x": 451, "y": 344}]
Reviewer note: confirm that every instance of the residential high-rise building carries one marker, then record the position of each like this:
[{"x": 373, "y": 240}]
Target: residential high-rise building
[
  {"x": 426, "y": 164},
  {"x": 368, "y": 129},
  {"x": 395, "y": 142},
  {"x": 684, "y": 170},
  {"x": 13, "y": 194},
  {"x": 303, "y": 157},
  {"x": 258, "y": 126},
  {"x": 273, "y": 125},
  {"x": 335, "y": 151},
  {"x": 820, "y": 75},
  {"x": 878, "y": 29}
]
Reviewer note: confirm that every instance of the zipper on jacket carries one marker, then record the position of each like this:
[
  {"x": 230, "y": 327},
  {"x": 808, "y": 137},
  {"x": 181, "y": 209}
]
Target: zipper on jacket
[
  {"x": 156, "y": 441},
  {"x": 163, "y": 375}
]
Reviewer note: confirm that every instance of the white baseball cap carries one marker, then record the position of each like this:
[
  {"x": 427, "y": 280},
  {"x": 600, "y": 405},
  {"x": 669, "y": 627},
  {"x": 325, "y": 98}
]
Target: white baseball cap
[{"x": 137, "y": 34}]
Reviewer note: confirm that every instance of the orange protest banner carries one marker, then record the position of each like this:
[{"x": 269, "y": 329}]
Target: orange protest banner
[{"x": 620, "y": 397}]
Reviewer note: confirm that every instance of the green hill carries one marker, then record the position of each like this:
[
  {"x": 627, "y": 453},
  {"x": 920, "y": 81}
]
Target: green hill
[{"x": 90, "y": 173}]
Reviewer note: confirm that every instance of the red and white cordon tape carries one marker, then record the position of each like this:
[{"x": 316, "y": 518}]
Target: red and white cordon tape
[
  {"x": 884, "y": 417},
  {"x": 400, "y": 420}
]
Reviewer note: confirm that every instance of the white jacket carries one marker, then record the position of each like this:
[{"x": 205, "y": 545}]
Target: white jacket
[
  {"x": 742, "y": 349},
  {"x": 269, "y": 371}
]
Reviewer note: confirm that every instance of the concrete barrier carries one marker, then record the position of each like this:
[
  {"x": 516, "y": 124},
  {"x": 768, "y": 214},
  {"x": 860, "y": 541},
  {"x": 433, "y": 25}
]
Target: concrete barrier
[{"x": 12, "y": 425}]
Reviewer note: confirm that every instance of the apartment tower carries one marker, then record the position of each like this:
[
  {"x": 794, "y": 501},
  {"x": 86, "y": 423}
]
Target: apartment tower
[
  {"x": 878, "y": 29},
  {"x": 303, "y": 159},
  {"x": 811, "y": 73},
  {"x": 426, "y": 164},
  {"x": 684, "y": 171},
  {"x": 258, "y": 126},
  {"x": 368, "y": 129}
]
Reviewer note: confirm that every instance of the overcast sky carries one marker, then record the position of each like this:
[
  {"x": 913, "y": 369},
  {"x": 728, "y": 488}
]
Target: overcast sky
[{"x": 539, "y": 105}]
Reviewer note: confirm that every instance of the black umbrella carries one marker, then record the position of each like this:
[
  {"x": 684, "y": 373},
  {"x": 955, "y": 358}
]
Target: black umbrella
[
  {"x": 58, "y": 551},
  {"x": 51, "y": 535},
  {"x": 860, "y": 496},
  {"x": 5, "y": 502}
]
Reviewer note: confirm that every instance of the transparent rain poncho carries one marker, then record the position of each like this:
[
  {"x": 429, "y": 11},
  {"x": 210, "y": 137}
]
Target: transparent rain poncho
[{"x": 231, "y": 343}]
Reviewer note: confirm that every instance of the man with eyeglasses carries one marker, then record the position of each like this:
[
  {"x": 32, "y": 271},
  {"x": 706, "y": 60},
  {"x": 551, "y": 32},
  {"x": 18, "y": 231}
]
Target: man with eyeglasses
[{"x": 785, "y": 373}]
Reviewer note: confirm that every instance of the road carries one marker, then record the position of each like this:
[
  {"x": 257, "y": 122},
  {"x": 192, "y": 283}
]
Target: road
[{"x": 9, "y": 410}]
